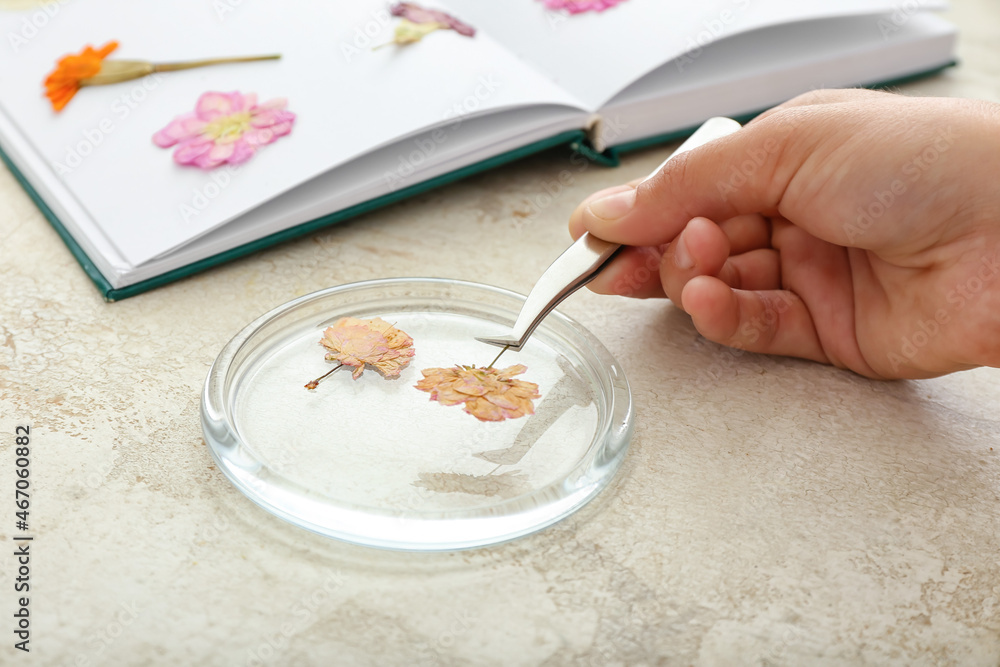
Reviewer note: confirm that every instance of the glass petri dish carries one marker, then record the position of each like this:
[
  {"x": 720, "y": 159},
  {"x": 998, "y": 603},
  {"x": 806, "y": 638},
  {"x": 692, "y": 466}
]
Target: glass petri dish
[{"x": 373, "y": 461}]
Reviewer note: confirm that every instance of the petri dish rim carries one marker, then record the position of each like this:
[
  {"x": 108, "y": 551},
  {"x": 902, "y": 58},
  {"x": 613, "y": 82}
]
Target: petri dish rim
[{"x": 502, "y": 520}]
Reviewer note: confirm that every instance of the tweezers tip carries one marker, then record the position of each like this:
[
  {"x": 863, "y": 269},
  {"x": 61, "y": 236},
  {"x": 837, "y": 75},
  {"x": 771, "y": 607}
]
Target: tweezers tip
[{"x": 507, "y": 341}]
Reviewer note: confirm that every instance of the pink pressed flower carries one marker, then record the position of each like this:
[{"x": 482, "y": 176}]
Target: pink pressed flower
[
  {"x": 225, "y": 127},
  {"x": 418, "y": 14},
  {"x": 579, "y": 6},
  {"x": 488, "y": 394}
]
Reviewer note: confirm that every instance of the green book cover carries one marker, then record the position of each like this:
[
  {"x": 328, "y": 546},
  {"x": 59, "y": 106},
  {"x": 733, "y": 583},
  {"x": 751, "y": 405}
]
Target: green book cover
[{"x": 575, "y": 140}]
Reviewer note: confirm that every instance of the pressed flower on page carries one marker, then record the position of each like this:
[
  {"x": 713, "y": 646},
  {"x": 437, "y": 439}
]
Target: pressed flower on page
[
  {"x": 418, "y": 22},
  {"x": 418, "y": 14},
  {"x": 64, "y": 81},
  {"x": 580, "y": 6},
  {"x": 408, "y": 32},
  {"x": 225, "y": 128},
  {"x": 90, "y": 67},
  {"x": 359, "y": 342},
  {"x": 488, "y": 394}
]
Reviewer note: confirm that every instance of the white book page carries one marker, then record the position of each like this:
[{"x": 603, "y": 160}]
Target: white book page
[
  {"x": 366, "y": 178},
  {"x": 750, "y": 72},
  {"x": 595, "y": 55},
  {"x": 349, "y": 100}
]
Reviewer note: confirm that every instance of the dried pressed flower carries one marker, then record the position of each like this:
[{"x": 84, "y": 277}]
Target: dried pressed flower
[
  {"x": 408, "y": 32},
  {"x": 356, "y": 342},
  {"x": 580, "y": 6},
  {"x": 225, "y": 127},
  {"x": 418, "y": 14},
  {"x": 418, "y": 22},
  {"x": 488, "y": 394},
  {"x": 89, "y": 68},
  {"x": 62, "y": 83}
]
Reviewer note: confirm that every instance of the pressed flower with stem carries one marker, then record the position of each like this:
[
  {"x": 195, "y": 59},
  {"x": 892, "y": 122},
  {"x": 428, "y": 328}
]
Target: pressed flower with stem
[
  {"x": 62, "y": 83},
  {"x": 359, "y": 342},
  {"x": 89, "y": 68},
  {"x": 418, "y": 22}
]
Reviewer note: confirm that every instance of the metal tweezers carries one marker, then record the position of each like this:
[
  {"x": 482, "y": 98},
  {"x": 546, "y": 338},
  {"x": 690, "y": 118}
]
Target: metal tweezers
[{"x": 583, "y": 260}]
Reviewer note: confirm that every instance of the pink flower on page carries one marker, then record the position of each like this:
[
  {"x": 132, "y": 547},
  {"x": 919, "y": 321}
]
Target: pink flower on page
[
  {"x": 580, "y": 6},
  {"x": 225, "y": 128},
  {"x": 418, "y": 14}
]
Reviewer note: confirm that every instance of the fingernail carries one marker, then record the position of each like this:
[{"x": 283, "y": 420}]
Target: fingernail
[
  {"x": 682, "y": 256},
  {"x": 613, "y": 206}
]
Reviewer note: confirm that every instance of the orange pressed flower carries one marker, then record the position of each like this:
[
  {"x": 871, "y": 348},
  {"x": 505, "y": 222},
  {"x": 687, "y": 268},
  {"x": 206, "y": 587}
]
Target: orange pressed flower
[
  {"x": 489, "y": 394},
  {"x": 63, "y": 82}
]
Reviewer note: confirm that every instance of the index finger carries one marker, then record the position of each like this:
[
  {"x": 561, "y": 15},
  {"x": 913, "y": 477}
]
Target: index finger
[{"x": 745, "y": 172}]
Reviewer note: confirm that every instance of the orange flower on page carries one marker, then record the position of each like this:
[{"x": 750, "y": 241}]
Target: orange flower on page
[
  {"x": 488, "y": 394},
  {"x": 62, "y": 83},
  {"x": 357, "y": 342}
]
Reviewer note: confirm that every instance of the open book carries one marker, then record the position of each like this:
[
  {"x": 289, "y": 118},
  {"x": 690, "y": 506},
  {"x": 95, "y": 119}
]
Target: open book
[{"x": 374, "y": 126}]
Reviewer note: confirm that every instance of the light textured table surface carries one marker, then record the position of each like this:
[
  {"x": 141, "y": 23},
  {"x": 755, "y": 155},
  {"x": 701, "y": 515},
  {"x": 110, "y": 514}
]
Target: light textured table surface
[{"x": 770, "y": 511}]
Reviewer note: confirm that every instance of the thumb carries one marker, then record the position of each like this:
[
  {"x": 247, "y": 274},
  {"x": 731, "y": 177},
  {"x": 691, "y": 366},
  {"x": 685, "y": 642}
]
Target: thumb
[{"x": 745, "y": 172}]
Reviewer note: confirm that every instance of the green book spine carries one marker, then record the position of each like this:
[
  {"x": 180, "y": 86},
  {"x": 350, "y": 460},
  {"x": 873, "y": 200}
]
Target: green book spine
[{"x": 576, "y": 140}]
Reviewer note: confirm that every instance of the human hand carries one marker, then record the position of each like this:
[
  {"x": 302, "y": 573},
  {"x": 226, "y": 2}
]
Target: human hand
[{"x": 850, "y": 227}]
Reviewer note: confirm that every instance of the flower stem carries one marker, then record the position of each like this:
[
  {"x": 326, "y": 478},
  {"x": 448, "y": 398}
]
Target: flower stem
[
  {"x": 505, "y": 348},
  {"x": 315, "y": 383},
  {"x": 173, "y": 67}
]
